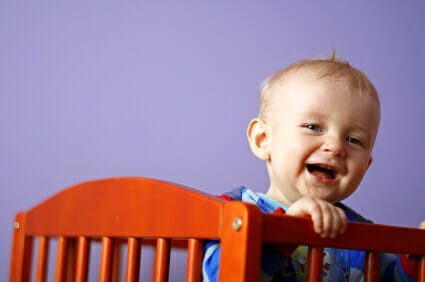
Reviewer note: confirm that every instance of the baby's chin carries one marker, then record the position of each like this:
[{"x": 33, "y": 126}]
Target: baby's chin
[{"x": 324, "y": 196}]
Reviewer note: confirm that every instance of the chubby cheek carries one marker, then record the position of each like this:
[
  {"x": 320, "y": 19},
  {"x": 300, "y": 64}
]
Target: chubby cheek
[
  {"x": 296, "y": 157},
  {"x": 290, "y": 152},
  {"x": 302, "y": 149},
  {"x": 359, "y": 169}
]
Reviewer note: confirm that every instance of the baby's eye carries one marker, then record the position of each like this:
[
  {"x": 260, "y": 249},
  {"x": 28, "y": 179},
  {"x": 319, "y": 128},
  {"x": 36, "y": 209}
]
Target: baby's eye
[
  {"x": 313, "y": 127},
  {"x": 354, "y": 140}
]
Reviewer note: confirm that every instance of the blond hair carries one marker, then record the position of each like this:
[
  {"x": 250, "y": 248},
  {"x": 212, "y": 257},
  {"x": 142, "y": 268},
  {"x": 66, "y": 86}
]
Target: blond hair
[{"x": 330, "y": 68}]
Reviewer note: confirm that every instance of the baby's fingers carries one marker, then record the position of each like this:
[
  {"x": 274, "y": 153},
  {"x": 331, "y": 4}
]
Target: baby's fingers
[
  {"x": 328, "y": 220},
  {"x": 339, "y": 222},
  {"x": 316, "y": 213},
  {"x": 343, "y": 220},
  {"x": 308, "y": 206},
  {"x": 334, "y": 221}
]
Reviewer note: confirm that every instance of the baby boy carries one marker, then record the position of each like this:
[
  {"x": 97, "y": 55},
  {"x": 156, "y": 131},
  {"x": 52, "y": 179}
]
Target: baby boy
[{"x": 315, "y": 131}]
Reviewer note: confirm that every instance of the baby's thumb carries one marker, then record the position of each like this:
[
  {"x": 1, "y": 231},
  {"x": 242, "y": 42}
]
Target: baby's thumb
[{"x": 422, "y": 225}]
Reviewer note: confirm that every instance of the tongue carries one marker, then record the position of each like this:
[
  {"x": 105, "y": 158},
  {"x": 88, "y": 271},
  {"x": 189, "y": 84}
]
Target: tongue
[{"x": 321, "y": 174}]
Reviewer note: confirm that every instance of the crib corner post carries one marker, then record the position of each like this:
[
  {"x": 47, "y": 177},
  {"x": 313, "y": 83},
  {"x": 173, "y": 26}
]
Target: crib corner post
[
  {"x": 21, "y": 251},
  {"x": 241, "y": 242}
]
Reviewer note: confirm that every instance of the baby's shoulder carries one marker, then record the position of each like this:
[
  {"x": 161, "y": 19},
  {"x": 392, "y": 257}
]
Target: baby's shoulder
[
  {"x": 352, "y": 215},
  {"x": 234, "y": 195}
]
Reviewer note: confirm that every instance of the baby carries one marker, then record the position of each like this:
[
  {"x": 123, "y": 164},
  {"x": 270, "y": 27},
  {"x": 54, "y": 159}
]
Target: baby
[{"x": 315, "y": 131}]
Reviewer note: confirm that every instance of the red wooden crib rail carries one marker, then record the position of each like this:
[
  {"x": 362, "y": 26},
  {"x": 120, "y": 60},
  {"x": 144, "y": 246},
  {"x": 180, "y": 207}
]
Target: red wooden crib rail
[
  {"x": 289, "y": 230},
  {"x": 139, "y": 211}
]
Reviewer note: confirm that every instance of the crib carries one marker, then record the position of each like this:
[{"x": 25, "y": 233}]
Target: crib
[{"x": 140, "y": 211}]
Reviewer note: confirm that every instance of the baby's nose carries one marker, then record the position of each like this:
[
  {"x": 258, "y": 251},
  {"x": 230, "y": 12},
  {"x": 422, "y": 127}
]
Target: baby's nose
[{"x": 335, "y": 145}]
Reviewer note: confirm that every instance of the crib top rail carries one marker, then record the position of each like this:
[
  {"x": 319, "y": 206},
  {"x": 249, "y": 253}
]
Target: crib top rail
[
  {"x": 361, "y": 236},
  {"x": 115, "y": 207},
  {"x": 125, "y": 207}
]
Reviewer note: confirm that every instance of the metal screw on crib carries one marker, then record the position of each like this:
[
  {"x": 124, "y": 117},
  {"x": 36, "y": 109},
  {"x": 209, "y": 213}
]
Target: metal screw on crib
[{"x": 237, "y": 223}]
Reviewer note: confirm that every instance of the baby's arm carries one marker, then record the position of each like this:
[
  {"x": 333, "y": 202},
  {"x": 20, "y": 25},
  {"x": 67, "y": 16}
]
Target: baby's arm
[{"x": 328, "y": 220}]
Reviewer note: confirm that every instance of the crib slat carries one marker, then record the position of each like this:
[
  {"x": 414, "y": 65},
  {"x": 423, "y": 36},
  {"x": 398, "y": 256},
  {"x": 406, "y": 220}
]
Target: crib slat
[
  {"x": 42, "y": 256},
  {"x": 133, "y": 260},
  {"x": 70, "y": 260},
  {"x": 106, "y": 260},
  {"x": 116, "y": 261},
  {"x": 162, "y": 260},
  {"x": 61, "y": 259},
  {"x": 421, "y": 270},
  {"x": 315, "y": 264},
  {"x": 83, "y": 254},
  {"x": 27, "y": 258},
  {"x": 371, "y": 271},
  {"x": 194, "y": 260}
]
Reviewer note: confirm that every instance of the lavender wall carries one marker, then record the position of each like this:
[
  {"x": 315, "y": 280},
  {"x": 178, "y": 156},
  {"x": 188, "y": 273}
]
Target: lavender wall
[{"x": 96, "y": 90}]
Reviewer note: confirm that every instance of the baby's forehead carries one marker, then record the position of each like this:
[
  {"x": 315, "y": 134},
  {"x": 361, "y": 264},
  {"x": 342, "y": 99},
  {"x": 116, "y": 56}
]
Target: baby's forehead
[
  {"x": 288, "y": 81},
  {"x": 309, "y": 90},
  {"x": 293, "y": 85},
  {"x": 300, "y": 78}
]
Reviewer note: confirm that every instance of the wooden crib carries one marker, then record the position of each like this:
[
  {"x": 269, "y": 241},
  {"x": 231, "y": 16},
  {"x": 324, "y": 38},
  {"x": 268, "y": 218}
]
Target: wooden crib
[{"x": 138, "y": 211}]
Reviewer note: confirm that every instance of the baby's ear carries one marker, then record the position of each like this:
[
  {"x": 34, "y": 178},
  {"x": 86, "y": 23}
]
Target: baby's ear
[{"x": 258, "y": 134}]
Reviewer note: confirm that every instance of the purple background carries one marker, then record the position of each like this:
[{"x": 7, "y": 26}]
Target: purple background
[{"x": 95, "y": 90}]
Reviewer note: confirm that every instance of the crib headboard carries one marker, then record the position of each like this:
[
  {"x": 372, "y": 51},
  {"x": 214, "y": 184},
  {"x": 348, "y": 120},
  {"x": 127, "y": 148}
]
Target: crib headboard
[
  {"x": 131, "y": 208},
  {"x": 133, "y": 211}
]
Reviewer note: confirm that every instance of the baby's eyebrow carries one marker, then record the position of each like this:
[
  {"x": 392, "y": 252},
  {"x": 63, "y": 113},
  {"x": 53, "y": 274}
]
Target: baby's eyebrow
[
  {"x": 363, "y": 132},
  {"x": 363, "y": 129}
]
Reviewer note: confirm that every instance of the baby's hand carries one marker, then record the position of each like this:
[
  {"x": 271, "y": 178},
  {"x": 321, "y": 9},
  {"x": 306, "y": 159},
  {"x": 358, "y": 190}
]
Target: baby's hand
[{"x": 328, "y": 220}]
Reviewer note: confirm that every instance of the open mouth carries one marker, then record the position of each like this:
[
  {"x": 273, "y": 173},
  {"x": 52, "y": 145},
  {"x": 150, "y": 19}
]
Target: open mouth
[{"x": 321, "y": 171}]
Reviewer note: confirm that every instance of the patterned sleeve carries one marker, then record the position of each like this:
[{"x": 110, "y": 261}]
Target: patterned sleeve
[
  {"x": 392, "y": 267},
  {"x": 398, "y": 268}
]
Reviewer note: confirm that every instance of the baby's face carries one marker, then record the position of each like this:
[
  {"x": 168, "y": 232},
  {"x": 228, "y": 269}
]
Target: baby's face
[{"x": 322, "y": 134}]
